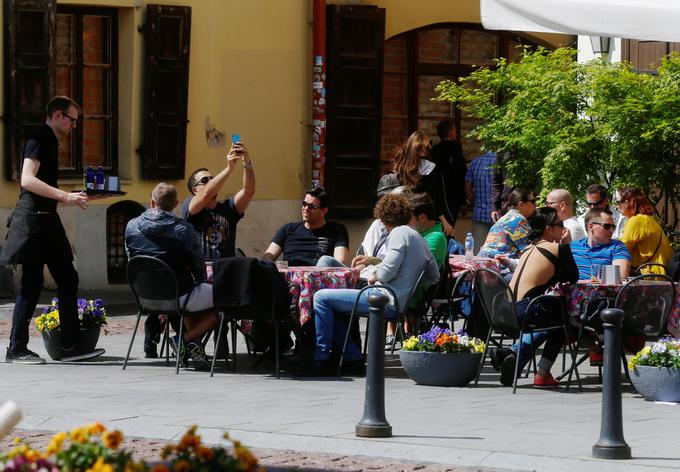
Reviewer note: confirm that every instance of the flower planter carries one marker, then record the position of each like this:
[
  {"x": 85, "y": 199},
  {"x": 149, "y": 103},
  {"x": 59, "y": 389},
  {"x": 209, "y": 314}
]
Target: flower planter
[
  {"x": 440, "y": 369},
  {"x": 52, "y": 340},
  {"x": 660, "y": 384}
]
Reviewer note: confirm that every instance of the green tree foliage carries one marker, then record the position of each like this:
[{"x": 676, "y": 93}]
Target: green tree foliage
[{"x": 568, "y": 124}]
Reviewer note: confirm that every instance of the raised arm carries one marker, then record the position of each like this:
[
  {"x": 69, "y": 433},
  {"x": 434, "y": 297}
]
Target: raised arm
[
  {"x": 32, "y": 183},
  {"x": 245, "y": 195},
  {"x": 210, "y": 190}
]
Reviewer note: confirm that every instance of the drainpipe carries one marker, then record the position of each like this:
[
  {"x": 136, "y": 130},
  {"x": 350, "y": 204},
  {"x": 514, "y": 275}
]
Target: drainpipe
[{"x": 319, "y": 93}]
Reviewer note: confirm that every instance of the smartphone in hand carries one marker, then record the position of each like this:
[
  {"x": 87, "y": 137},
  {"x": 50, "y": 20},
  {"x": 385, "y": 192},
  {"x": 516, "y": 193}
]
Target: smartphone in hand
[{"x": 235, "y": 138}]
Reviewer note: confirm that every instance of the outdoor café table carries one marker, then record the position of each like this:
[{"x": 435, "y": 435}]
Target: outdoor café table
[
  {"x": 459, "y": 263},
  {"x": 582, "y": 290},
  {"x": 305, "y": 281}
]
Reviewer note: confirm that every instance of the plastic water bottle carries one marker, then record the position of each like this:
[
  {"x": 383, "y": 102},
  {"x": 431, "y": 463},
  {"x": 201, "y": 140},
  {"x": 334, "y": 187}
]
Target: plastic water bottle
[
  {"x": 100, "y": 179},
  {"x": 469, "y": 245},
  {"x": 89, "y": 178}
]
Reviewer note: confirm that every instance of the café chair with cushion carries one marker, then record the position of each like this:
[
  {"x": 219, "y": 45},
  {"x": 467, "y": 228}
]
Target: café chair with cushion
[
  {"x": 498, "y": 303},
  {"x": 244, "y": 289},
  {"x": 399, "y": 315},
  {"x": 154, "y": 286}
]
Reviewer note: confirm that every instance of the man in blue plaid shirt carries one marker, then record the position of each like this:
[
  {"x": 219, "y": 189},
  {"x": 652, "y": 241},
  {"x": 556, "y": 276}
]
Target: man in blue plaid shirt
[{"x": 478, "y": 191}]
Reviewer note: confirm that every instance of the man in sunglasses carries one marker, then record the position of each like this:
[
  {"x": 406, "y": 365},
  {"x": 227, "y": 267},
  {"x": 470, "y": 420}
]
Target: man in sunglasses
[
  {"x": 597, "y": 196},
  {"x": 216, "y": 220},
  {"x": 304, "y": 242},
  {"x": 36, "y": 237},
  {"x": 599, "y": 248}
]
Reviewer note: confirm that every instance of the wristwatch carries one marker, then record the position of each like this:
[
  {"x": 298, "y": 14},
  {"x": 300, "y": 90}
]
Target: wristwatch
[{"x": 248, "y": 165}]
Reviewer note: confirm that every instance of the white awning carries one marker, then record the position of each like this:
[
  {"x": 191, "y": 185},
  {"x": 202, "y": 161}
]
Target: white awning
[{"x": 634, "y": 19}]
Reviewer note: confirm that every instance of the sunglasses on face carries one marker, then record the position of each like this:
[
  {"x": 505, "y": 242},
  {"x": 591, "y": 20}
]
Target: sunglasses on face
[
  {"x": 73, "y": 120},
  {"x": 606, "y": 226},
  {"x": 311, "y": 206},
  {"x": 204, "y": 180},
  {"x": 594, "y": 204}
]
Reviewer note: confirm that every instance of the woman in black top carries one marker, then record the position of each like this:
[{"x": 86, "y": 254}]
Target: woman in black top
[{"x": 542, "y": 265}]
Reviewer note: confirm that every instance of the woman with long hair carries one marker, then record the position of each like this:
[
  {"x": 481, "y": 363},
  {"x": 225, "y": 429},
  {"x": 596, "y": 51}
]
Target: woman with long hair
[
  {"x": 642, "y": 235},
  {"x": 414, "y": 170}
]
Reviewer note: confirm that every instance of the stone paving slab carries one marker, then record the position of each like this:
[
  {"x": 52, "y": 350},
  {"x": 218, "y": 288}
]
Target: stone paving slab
[{"x": 485, "y": 427}]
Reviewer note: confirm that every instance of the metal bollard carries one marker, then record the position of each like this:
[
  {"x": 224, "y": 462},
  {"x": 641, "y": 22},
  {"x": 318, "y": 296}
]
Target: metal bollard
[
  {"x": 611, "y": 444},
  {"x": 374, "y": 424}
]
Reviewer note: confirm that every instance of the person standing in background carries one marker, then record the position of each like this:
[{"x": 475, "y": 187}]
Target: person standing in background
[
  {"x": 478, "y": 191},
  {"x": 448, "y": 157}
]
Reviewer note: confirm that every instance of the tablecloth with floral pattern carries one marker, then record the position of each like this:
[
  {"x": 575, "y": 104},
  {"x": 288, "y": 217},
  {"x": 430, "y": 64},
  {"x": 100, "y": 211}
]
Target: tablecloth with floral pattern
[
  {"x": 305, "y": 281},
  {"x": 575, "y": 294},
  {"x": 459, "y": 263}
]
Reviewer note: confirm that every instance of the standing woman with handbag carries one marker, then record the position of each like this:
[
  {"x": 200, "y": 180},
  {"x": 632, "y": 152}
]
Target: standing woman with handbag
[{"x": 643, "y": 235}]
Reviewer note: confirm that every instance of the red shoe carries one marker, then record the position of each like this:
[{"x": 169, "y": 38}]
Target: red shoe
[
  {"x": 596, "y": 358},
  {"x": 545, "y": 382}
]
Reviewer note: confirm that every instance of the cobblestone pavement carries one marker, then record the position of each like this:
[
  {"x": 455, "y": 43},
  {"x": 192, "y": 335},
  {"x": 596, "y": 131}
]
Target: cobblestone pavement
[{"x": 150, "y": 449}]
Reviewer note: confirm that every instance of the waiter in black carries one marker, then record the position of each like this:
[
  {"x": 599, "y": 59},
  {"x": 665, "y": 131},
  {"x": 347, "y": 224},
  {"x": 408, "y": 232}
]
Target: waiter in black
[{"x": 36, "y": 237}]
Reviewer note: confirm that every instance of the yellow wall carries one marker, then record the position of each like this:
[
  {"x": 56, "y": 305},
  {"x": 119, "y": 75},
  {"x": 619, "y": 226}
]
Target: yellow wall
[
  {"x": 249, "y": 72},
  {"x": 406, "y": 15}
]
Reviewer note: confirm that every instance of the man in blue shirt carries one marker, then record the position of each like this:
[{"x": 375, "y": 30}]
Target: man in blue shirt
[
  {"x": 598, "y": 248},
  {"x": 478, "y": 191}
]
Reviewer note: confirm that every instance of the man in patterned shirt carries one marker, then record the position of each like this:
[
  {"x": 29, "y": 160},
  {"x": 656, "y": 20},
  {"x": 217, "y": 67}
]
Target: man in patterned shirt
[{"x": 478, "y": 191}]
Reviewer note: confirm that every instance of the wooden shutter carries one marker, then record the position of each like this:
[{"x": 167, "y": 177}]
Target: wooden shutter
[
  {"x": 645, "y": 56},
  {"x": 29, "y": 54},
  {"x": 355, "y": 43},
  {"x": 166, "y": 91}
]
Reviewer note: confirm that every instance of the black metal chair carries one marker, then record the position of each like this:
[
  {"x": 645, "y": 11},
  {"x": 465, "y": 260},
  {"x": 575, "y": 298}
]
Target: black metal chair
[
  {"x": 642, "y": 268},
  {"x": 400, "y": 314},
  {"x": 646, "y": 300},
  {"x": 498, "y": 303},
  {"x": 449, "y": 307},
  {"x": 154, "y": 286},
  {"x": 244, "y": 290}
]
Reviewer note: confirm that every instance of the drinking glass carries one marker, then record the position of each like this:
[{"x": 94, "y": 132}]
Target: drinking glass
[{"x": 596, "y": 272}]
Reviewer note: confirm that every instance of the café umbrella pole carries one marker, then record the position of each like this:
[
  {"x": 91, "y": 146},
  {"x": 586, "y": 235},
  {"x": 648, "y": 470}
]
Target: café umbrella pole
[
  {"x": 611, "y": 444},
  {"x": 373, "y": 424}
]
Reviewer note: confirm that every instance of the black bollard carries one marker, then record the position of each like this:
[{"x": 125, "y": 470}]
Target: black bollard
[
  {"x": 374, "y": 424},
  {"x": 611, "y": 444}
]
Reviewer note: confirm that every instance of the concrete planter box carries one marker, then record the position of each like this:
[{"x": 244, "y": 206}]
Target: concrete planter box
[
  {"x": 440, "y": 369},
  {"x": 657, "y": 383}
]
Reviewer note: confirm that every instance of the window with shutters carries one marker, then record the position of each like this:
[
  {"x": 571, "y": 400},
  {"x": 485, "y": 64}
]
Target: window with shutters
[{"x": 86, "y": 59}]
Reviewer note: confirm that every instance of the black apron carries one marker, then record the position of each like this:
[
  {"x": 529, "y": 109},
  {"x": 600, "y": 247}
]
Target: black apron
[{"x": 35, "y": 238}]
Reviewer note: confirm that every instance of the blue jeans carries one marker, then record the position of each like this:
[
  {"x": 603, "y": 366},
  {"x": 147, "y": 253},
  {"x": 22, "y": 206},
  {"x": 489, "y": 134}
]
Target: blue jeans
[
  {"x": 329, "y": 261},
  {"x": 331, "y": 329},
  {"x": 554, "y": 338}
]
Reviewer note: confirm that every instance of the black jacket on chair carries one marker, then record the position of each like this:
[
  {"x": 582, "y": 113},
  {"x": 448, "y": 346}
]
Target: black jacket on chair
[{"x": 244, "y": 285}]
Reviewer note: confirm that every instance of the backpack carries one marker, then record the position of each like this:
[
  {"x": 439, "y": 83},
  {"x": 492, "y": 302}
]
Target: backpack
[{"x": 387, "y": 183}]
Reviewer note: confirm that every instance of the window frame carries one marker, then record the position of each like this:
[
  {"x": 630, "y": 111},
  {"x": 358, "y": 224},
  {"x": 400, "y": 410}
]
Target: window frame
[{"x": 111, "y": 144}]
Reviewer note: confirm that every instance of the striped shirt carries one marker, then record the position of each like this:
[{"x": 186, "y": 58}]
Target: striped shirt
[
  {"x": 479, "y": 174},
  {"x": 585, "y": 256}
]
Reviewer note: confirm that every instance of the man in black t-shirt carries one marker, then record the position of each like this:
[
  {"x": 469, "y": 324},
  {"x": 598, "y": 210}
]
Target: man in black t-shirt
[
  {"x": 304, "y": 242},
  {"x": 214, "y": 220}
]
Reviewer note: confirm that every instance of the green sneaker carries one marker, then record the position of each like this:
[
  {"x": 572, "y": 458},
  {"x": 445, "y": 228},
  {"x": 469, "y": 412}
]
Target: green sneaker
[
  {"x": 183, "y": 354},
  {"x": 197, "y": 355}
]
